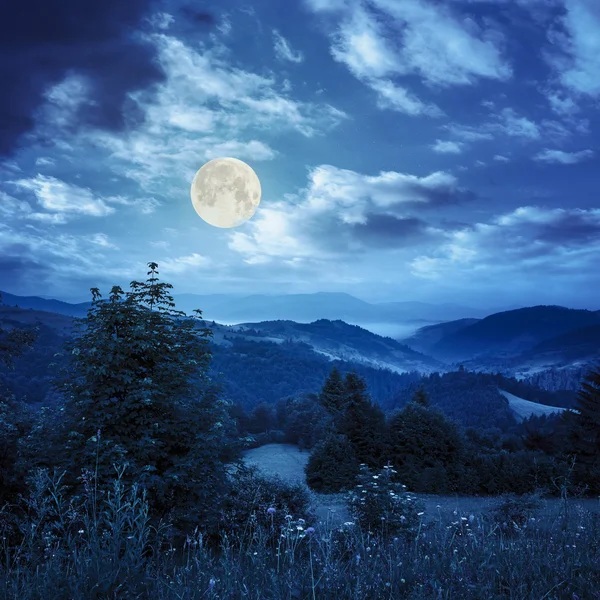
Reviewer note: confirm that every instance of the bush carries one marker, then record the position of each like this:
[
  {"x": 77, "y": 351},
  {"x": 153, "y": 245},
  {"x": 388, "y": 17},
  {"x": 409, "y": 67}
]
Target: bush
[
  {"x": 514, "y": 513},
  {"x": 381, "y": 505},
  {"x": 255, "y": 502}
]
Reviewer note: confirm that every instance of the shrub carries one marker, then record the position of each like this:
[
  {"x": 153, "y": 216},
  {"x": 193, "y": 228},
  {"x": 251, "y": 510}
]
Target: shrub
[
  {"x": 255, "y": 503},
  {"x": 381, "y": 505},
  {"x": 514, "y": 513}
]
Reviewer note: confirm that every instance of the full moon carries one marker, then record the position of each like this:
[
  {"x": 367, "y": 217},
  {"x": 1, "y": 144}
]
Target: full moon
[{"x": 225, "y": 192}]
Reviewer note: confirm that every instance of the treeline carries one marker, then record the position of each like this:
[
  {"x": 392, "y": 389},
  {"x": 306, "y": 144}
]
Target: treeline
[{"x": 430, "y": 452}]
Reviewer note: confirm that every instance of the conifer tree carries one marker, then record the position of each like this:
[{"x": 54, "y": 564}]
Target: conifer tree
[
  {"x": 420, "y": 397},
  {"x": 363, "y": 423},
  {"x": 332, "y": 466},
  {"x": 137, "y": 392},
  {"x": 333, "y": 394},
  {"x": 584, "y": 431},
  {"x": 422, "y": 439}
]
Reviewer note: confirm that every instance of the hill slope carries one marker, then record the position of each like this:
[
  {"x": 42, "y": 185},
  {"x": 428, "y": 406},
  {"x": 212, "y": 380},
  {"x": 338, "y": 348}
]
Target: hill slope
[{"x": 513, "y": 332}]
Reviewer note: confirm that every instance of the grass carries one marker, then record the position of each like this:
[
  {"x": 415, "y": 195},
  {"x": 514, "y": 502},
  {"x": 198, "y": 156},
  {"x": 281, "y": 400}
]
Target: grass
[{"x": 58, "y": 549}]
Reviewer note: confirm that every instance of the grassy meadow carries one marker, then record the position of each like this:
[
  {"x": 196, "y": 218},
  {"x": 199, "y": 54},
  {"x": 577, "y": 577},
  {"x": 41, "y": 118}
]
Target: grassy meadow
[{"x": 460, "y": 549}]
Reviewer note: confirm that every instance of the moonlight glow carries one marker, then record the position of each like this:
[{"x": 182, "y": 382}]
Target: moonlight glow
[{"x": 225, "y": 192}]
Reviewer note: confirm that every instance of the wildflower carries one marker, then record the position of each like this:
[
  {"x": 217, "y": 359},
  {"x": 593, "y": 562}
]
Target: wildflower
[
  {"x": 211, "y": 584},
  {"x": 471, "y": 518},
  {"x": 288, "y": 517},
  {"x": 80, "y": 531},
  {"x": 402, "y": 581},
  {"x": 310, "y": 530},
  {"x": 301, "y": 521},
  {"x": 271, "y": 511},
  {"x": 420, "y": 514}
]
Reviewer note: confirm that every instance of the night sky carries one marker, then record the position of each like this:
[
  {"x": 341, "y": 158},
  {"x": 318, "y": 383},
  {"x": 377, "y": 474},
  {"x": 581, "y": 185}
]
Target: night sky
[{"x": 435, "y": 150}]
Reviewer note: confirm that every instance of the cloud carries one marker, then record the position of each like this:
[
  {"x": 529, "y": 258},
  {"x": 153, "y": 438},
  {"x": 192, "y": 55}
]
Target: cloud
[
  {"x": 66, "y": 200},
  {"x": 385, "y": 38},
  {"x": 343, "y": 212},
  {"x": 94, "y": 40},
  {"x": 206, "y": 108},
  {"x": 501, "y": 158},
  {"x": 442, "y": 147},
  {"x": 253, "y": 149},
  {"x": 60, "y": 197},
  {"x": 283, "y": 50},
  {"x": 561, "y": 157},
  {"x": 101, "y": 239},
  {"x": 577, "y": 59},
  {"x": 527, "y": 240},
  {"x": 183, "y": 264}
]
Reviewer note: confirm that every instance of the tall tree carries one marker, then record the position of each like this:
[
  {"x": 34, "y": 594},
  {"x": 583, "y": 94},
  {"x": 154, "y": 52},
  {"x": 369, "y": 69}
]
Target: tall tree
[
  {"x": 333, "y": 394},
  {"x": 584, "y": 431},
  {"x": 363, "y": 423},
  {"x": 421, "y": 397},
  {"x": 137, "y": 392},
  {"x": 15, "y": 417}
]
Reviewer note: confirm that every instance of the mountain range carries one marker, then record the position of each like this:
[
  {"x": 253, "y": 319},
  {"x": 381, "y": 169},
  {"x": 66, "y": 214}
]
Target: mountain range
[
  {"x": 518, "y": 342},
  {"x": 302, "y": 308}
]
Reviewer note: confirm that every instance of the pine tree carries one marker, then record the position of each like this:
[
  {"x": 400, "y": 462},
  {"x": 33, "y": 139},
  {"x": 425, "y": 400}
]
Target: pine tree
[
  {"x": 420, "y": 397},
  {"x": 423, "y": 441},
  {"x": 137, "y": 392},
  {"x": 584, "y": 431},
  {"x": 363, "y": 423},
  {"x": 332, "y": 466},
  {"x": 333, "y": 394}
]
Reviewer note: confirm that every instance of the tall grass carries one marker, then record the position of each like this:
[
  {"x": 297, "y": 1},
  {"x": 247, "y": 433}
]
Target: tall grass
[{"x": 53, "y": 547}]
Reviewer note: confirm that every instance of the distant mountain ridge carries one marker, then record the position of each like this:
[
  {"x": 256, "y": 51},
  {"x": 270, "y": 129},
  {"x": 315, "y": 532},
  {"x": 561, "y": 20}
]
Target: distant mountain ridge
[
  {"x": 513, "y": 332},
  {"x": 335, "y": 339},
  {"x": 234, "y": 308}
]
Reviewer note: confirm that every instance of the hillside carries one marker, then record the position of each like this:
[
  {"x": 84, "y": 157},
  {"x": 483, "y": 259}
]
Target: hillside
[
  {"x": 513, "y": 332},
  {"x": 523, "y": 409},
  {"x": 252, "y": 364},
  {"x": 337, "y": 341},
  {"x": 425, "y": 338}
]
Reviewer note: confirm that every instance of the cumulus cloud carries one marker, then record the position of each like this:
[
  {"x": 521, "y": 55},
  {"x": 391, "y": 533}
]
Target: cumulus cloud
[
  {"x": 528, "y": 238},
  {"x": 561, "y": 157},
  {"x": 345, "y": 212},
  {"x": 445, "y": 147}
]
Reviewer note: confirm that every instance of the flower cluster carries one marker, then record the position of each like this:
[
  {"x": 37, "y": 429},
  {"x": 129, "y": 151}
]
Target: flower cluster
[{"x": 383, "y": 506}]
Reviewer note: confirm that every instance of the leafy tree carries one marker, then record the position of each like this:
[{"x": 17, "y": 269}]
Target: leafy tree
[{"x": 137, "y": 392}]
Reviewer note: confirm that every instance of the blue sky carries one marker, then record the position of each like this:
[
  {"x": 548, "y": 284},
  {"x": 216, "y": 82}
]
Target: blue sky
[{"x": 435, "y": 150}]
